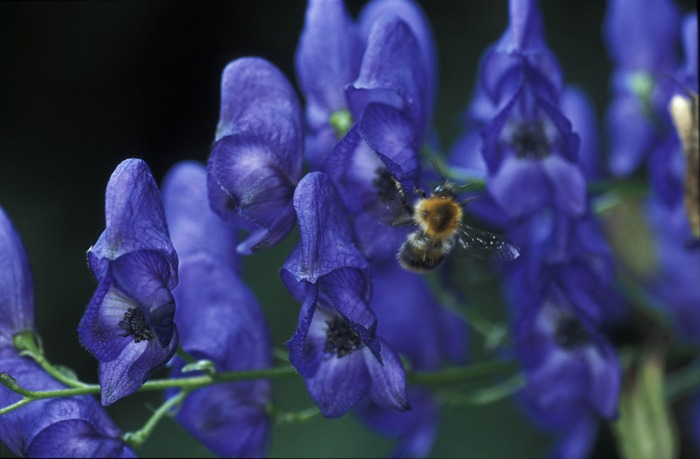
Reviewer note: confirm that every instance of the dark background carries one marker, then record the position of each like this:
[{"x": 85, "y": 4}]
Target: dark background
[{"x": 84, "y": 85}]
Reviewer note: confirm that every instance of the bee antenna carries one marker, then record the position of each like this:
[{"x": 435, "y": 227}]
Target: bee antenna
[
  {"x": 436, "y": 166},
  {"x": 464, "y": 186}
]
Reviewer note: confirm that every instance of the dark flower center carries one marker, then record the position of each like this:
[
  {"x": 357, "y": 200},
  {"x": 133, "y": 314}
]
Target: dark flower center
[
  {"x": 570, "y": 333},
  {"x": 340, "y": 339},
  {"x": 529, "y": 140},
  {"x": 134, "y": 324},
  {"x": 385, "y": 185}
]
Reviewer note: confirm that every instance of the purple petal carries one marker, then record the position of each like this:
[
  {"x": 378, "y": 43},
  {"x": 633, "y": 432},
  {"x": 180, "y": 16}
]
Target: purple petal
[
  {"x": 393, "y": 137},
  {"x": 634, "y": 133},
  {"x": 392, "y": 73},
  {"x": 376, "y": 240},
  {"x": 416, "y": 429},
  {"x": 325, "y": 232},
  {"x": 218, "y": 316},
  {"x": 134, "y": 365},
  {"x": 410, "y": 12},
  {"x": 75, "y": 438},
  {"x": 230, "y": 419},
  {"x": 388, "y": 378},
  {"x": 307, "y": 344},
  {"x": 690, "y": 48},
  {"x": 327, "y": 59},
  {"x": 339, "y": 384},
  {"x": 256, "y": 98},
  {"x": 411, "y": 320},
  {"x": 521, "y": 54},
  {"x": 577, "y": 107},
  {"x": 16, "y": 284},
  {"x": 642, "y": 38},
  {"x": 135, "y": 219},
  {"x": 252, "y": 188},
  {"x": 257, "y": 158},
  {"x": 193, "y": 225},
  {"x": 348, "y": 291},
  {"x": 578, "y": 440},
  {"x": 604, "y": 389}
]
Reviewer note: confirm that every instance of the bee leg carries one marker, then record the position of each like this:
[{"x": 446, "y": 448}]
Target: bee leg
[{"x": 467, "y": 201}]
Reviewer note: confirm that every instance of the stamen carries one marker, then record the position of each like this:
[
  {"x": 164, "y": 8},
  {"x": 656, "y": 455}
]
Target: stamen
[
  {"x": 385, "y": 184},
  {"x": 570, "y": 333},
  {"x": 134, "y": 324},
  {"x": 530, "y": 141},
  {"x": 340, "y": 339}
]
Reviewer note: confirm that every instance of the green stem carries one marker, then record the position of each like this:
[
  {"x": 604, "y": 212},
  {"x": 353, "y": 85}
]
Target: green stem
[
  {"x": 493, "y": 333},
  {"x": 463, "y": 373},
  {"x": 483, "y": 396},
  {"x": 297, "y": 416},
  {"x": 15, "y": 405},
  {"x": 137, "y": 438}
]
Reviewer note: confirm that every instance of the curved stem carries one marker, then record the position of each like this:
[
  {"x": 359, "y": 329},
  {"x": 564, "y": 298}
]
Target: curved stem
[{"x": 137, "y": 438}]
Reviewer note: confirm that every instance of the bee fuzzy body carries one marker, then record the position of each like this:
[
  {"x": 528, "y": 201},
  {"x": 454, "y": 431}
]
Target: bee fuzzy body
[
  {"x": 420, "y": 253},
  {"x": 439, "y": 218}
]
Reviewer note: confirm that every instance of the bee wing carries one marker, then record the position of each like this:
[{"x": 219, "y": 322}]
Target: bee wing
[{"x": 486, "y": 245}]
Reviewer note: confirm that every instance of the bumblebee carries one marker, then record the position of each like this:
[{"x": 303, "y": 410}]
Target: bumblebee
[{"x": 439, "y": 218}]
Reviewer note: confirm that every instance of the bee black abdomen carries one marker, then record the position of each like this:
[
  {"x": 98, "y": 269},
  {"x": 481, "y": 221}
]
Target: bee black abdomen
[{"x": 420, "y": 254}]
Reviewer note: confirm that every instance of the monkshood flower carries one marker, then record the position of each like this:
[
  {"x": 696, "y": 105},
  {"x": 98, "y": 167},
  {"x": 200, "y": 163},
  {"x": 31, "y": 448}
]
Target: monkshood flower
[
  {"x": 526, "y": 141},
  {"x": 218, "y": 319},
  {"x": 642, "y": 38},
  {"x": 572, "y": 371},
  {"x": 334, "y": 346},
  {"x": 59, "y": 427},
  {"x": 16, "y": 285},
  {"x": 63, "y": 427},
  {"x": 420, "y": 329},
  {"x": 257, "y": 158},
  {"x": 530, "y": 146},
  {"x": 334, "y": 52},
  {"x": 128, "y": 325},
  {"x": 520, "y": 56},
  {"x": 383, "y": 145},
  {"x": 571, "y": 252}
]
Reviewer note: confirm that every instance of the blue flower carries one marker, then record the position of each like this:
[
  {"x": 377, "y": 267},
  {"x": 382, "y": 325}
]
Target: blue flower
[
  {"x": 16, "y": 285},
  {"x": 334, "y": 346},
  {"x": 642, "y": 42},
  {"x": 327, "y": 58},
  {"x": 526, "y": 140},
  {"x": 257, "y": 158},
  {"x": 382, "y": 147},
  {"x": 62, "y": 427},
  {"x": 219, "y": 320},
  {"x": 530, "y": 146},
  {"x": 521, "y": 56},
  {"x": 128, "y": 325},
  {"x": 571, "y": 369},
  {"x": 421, "y": 330},
  {"x": 336, "y": 58}
]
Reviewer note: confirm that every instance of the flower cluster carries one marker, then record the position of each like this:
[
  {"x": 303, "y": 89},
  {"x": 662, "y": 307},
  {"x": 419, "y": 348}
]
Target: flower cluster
[
  {"x": 536, "y": 179},
  {"x": 343, "y": 163},
  {"x": 62, "y": 427}
]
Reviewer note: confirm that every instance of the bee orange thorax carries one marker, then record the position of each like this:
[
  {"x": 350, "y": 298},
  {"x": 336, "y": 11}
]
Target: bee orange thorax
[{"x": 438, "y": 216}]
